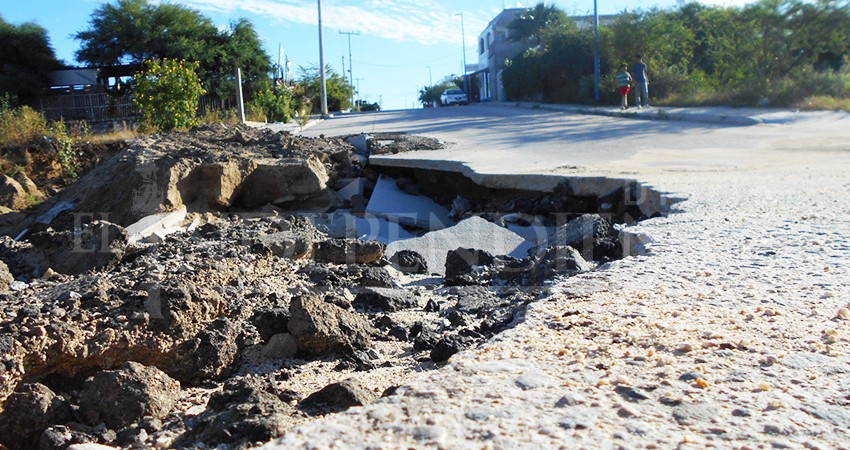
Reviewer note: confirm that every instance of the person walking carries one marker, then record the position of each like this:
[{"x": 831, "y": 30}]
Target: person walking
[
  {"x": 624, "y": 84},
  {"x": 641, "y": 83}
]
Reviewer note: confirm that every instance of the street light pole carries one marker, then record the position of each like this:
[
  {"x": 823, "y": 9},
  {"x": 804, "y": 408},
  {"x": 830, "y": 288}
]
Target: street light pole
[
  {"x": 322, "y": 64},
  {"x": 596, "y": 89},
  {"x": 350, "y": 70},
  {"x": 430, "y": 77}
]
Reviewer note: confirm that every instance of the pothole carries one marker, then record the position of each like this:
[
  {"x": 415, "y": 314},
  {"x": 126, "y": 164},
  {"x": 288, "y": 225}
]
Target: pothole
[{"x": 286, "y": 279}]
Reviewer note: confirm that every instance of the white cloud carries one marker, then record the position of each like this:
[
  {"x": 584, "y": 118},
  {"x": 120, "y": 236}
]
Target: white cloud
[{"x": 422, "y": 21}]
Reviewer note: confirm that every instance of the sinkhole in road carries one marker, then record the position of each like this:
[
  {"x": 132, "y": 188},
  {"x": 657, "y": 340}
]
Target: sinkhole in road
[
  {"x": 431, "y": 211},
  {"x": 269, "y": 317}
]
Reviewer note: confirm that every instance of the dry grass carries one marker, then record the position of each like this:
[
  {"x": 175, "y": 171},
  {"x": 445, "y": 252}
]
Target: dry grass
[
  {"x": 821, "y": 103},
  {"x": 114, "y": 136},
  {"x": 227, "y": 116},
  {"x": 20, "y": 126}
]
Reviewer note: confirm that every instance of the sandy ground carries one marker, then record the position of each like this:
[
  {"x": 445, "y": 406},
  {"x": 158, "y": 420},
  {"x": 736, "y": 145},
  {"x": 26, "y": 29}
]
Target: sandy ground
[{"x": 732, "y": 332}]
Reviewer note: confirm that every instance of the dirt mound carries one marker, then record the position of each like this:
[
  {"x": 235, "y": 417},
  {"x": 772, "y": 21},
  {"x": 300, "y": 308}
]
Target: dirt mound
[{"x": 212, "y": 167}]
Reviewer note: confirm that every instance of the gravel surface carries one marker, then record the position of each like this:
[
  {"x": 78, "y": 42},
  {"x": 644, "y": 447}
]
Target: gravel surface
[{"x": 732, "y": 332}]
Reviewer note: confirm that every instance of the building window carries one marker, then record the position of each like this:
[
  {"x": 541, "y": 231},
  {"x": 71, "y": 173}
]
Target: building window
[{"x": 480, "y": 46}]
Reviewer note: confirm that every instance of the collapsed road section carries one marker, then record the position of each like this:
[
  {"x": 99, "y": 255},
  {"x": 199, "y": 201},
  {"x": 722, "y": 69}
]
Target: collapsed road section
[{"x": 220, "y": 286}]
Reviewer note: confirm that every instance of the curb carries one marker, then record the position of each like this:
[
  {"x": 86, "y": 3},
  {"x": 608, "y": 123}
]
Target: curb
[{"x": 656, "y": 113}]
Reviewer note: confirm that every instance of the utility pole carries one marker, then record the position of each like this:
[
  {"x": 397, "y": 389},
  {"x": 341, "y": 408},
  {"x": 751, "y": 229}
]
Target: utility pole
[
  {"x": 430, "y": 78},
  {"x": 322, "y": 64},
  {"x": 350, "y": 69},
  {"x": 358, "y": 80},
  {"x": 596, "y": 89},
  {"x": 463, "y": 43}
]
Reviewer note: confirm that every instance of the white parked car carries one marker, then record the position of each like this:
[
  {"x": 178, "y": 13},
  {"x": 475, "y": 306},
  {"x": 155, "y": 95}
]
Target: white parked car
[{"x": 454, "y": 96}]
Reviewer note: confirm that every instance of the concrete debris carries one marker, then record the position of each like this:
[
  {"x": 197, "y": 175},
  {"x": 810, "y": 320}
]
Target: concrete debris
[
  {"x": 365, "y": 227},
  {"x": 473, "y": 232},
  {"x": 360, "y": 142},
  {"x": 392, "y": 203},
  {"x": 160, "y": 225},
  {"x": 355, "y": 187}
]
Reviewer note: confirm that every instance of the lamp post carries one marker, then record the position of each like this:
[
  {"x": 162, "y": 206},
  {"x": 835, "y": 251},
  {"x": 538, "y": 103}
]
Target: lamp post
[
  {"x": 430, "y": 78},
  {"x": 322, "y": 64},
  {"x": 596, "y": 89}
]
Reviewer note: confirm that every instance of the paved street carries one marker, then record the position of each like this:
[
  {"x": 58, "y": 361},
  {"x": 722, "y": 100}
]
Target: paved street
[
  {"x": 731, "y": 332},
  {"x": 499, "y": 139}
]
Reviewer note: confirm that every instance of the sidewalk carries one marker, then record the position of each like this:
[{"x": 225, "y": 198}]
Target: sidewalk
[
  {"x": 291, "y": 127},
  {"x": 705, "y": 114}
]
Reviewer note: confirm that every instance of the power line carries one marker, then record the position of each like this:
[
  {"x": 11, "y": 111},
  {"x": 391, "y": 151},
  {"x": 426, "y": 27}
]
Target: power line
[{"x": 415, "y": 64}]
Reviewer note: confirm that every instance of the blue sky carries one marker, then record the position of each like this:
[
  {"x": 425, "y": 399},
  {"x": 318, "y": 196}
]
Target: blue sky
[{"x": 399, "y": 39}]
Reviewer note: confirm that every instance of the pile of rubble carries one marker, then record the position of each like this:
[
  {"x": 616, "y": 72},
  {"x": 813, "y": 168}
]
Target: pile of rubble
[{"x": 223, "y": 285}]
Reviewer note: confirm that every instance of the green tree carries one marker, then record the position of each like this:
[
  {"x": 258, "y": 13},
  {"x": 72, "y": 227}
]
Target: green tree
[
  {"x": 239, "y": 45},
  {"x": 26, "y": 60},
  {"x": 133, "y": 31},
  {"x": 339, "y": 91},
  {"x": 532, "y": 24},
  {"x": 167, "y": 93},
  {"x": 364, "y": 106},
  {"x": 429, "y": 96}
]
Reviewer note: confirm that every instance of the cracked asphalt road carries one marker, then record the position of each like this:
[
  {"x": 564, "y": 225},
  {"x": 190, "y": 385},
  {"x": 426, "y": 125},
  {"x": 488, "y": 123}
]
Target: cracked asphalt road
[{"x": 731, "y": 332}]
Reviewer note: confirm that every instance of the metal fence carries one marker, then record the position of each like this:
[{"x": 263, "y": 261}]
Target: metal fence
[
  {"x": 89, "y": 106},
  {"x": 210, "y": 104},
  {"x": 100, "y": 106}
]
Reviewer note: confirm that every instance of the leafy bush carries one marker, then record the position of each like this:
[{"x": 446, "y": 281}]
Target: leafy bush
[
  {"x": 338, "y": 90},
  {"x": 271, "y": 106},
  {"x": 522, "y": 77},
  {"x": 167, "y": 93}
]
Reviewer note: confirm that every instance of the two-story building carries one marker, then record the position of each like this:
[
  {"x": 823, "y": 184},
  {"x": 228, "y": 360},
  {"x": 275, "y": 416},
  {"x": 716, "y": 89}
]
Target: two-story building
[{"x": 494, "y": 47}]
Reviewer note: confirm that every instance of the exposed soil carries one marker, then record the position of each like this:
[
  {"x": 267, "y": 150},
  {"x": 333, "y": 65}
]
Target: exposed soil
[{"x": 251, "y": 320}]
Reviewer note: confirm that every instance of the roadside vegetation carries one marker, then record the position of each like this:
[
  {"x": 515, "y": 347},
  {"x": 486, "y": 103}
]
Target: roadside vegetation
[{"x": 789, "y": 53}]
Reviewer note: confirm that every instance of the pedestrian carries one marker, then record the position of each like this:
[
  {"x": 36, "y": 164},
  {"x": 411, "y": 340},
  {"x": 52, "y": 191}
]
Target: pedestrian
[
  {"x": 641, "y": 83},
  {"x": 624, "y": 85}
]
